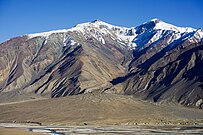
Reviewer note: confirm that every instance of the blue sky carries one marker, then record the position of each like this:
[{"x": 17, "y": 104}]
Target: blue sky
[{"x": 18, "y": 17}]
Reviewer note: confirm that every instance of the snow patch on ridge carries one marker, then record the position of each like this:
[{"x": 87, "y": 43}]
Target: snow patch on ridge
[
  {"x": 199, "y": 33},
  {"x": 68, "y": 41},
  {"x": 72, "y": 42},
  {"x": 45, "y": 34}
]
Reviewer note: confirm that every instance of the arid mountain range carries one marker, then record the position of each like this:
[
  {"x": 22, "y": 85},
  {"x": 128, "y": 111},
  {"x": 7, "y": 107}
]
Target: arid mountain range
[{"x": 155, "y": 61}]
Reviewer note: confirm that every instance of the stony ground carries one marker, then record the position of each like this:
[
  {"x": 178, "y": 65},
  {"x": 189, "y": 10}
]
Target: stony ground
[{"x": 98, "y": 109}]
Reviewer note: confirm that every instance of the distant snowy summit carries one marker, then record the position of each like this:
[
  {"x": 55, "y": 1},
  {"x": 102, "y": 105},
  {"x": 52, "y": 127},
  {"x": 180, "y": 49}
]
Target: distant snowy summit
[
  {"x": 134, "y": 37},
  {"x": 154, "y": 24}
]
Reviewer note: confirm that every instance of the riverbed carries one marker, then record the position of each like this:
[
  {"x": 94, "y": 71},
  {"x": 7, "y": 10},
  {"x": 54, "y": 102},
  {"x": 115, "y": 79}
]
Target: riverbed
[{"x": 108, "y": 129}]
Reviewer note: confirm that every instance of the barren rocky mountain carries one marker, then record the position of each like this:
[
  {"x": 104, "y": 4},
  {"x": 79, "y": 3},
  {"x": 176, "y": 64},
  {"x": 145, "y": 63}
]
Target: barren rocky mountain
[
  {"x": 58, "y": 64},
  {"x": 154, "y": 61}
]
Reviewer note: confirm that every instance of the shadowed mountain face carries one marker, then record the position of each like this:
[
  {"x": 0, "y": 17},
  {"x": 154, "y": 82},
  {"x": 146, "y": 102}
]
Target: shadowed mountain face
[
  {"x": 154, "y": 61},
  {"x": 174, "y": 75}
]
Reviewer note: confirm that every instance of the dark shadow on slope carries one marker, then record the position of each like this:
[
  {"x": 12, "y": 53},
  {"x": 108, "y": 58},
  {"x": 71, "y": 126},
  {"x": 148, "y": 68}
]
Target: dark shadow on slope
[
  {"x": 197, "y": 70},
  {"x": 137, "y": 54},
  {"x": 154, "y": 79},
  {"x": 122, "y": 78},
  {"x": 51, "y": 66},
  {"x": 184, "y": 58},
  {"x": 146, "y": 65},
  {"x": 175, "y": 71}
]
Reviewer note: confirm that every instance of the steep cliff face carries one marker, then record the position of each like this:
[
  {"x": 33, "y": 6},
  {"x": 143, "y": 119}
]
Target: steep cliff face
[{"x": 154, "y": 61}]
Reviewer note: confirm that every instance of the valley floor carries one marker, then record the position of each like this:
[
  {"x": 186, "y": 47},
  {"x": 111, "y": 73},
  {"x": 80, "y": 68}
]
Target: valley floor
[{"x": 96, "y": 112}]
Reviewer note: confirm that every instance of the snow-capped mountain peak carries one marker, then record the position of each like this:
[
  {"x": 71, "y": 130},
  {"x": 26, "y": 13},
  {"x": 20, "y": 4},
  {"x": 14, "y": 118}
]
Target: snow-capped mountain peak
[
  {"x": 166, "y": 26},
  {"x": 135, "y": 37},
  {"x": 99, "y": 29},
  {"x": 98, "y": 24},
  {"x": 156, "y": 31},
  {"x": 157, "y": 24}
]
